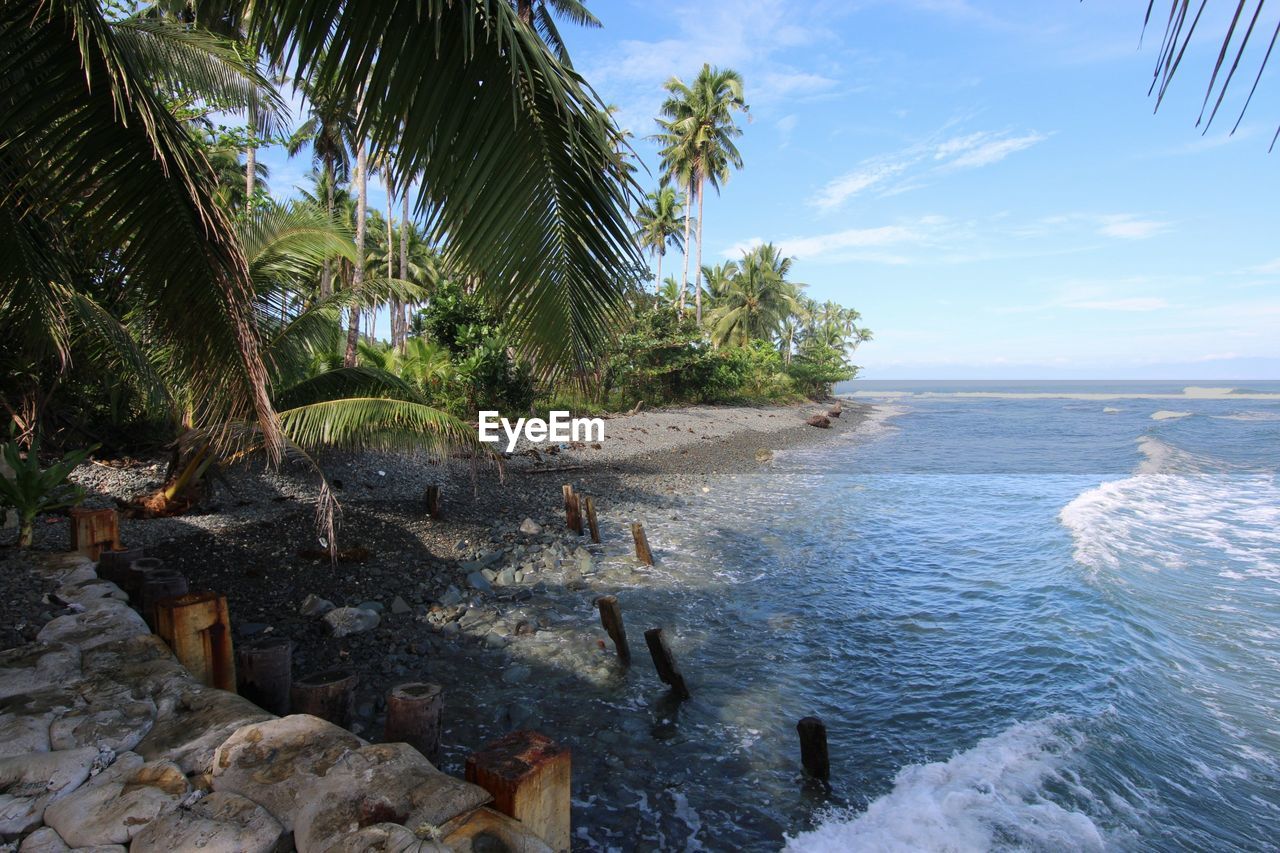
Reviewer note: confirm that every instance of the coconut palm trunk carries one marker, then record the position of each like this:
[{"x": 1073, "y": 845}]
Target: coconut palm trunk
[
  {"x": 660, "y": 256},
  {"x": 391, "y": 247},
  {"x": 357, "y": 274},
  {"x": 404, "y": 263},
  {"x": 697, "y": 287},
  {"x": 326, "y": 271},
  {"x": 684, "y": 282}
]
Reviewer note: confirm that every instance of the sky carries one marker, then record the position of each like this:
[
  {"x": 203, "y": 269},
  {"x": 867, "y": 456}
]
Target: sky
[{"x": 984, "y": 181}]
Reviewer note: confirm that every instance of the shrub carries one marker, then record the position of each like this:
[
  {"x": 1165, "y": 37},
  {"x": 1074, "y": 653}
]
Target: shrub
[{"x": 32, "y": 491}]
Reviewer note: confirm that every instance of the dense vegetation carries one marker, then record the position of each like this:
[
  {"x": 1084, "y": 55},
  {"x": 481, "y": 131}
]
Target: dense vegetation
[{"x": 155, "y": 292}]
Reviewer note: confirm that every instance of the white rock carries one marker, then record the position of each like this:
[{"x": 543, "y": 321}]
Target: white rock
[
  {"x": 346, "y": 621},
  {"x": 218, "y": 823},
  {"x": 274, "y": 762},
  {"x": 113, "y": 620},
  {"x": 119, "y": 802},
  {"x": 32, "y": 782},
  {"x": 530, "y": 527}
]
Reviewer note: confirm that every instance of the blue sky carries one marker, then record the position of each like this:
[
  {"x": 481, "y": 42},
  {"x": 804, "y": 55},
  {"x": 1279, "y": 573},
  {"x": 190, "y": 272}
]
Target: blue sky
[{"x": 983, "y": 180}]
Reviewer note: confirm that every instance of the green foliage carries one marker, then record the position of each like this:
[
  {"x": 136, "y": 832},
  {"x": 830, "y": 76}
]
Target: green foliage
[
  {"x": 819, "y": 367},
  {"x": 31, "y": 491}
]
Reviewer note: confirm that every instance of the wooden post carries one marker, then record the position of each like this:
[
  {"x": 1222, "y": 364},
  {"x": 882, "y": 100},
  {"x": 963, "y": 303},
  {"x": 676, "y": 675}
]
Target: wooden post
[
  {"x": 813, "y": 748},
  {"x": 112, "y": 564},
  {"x": 528, "y": 776},
  {"x": 197, "y": 627},
  {"x": 594, "y": 526},
  {"x": 264, "y": 673},
  {"x": 433, "y": 500},
  {"x": 643, "y": 554},
  {"x": 665, "y": 662},
  {"x": 133, "y": 577},
  {"x": 329, "y": 695},
  {"x": 413, "y": 716},
  {"x": 572, "y": 509},
  {"x": 611, "y": 619},
  {"x": 156, "y": 585},
  {"x": 93, "y": 528}
]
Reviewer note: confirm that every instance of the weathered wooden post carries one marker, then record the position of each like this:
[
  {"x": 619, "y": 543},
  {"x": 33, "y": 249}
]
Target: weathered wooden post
[
  {"x": 528, "y": 776},
  {"x": 590, "y": 505},
  {"x": 413, "y": 716},
  {"x": 197, "y": 628},
  {"x": 156, "y": 585},
  {"x": 329, "y": 695},
  {"x": 572, "y": 509},
  {"x": 264, "y": 672},
  {"x": 611, "y": 619},
  {"x": 643, "y": 554},
  {"x": 433, "y": 500},
  {"x": 813, "y": 748},
  {"x": 112, "y": 564},
  {"x": 91, "y": 529},
  {"x": 131, "y": 578},
  {"x": 665, "y": 662}
]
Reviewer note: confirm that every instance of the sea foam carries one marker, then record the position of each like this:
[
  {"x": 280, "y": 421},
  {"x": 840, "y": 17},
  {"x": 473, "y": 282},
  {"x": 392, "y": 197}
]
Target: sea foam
[{"x": 989, "y": 797}]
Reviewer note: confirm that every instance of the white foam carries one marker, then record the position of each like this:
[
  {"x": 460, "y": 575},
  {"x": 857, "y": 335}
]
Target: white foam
[
  {"x": 1166, "y": 415},
  {"x": 988, "y": 797}
]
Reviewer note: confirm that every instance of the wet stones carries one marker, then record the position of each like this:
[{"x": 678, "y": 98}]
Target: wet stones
[{"x": 220, "y": 822}]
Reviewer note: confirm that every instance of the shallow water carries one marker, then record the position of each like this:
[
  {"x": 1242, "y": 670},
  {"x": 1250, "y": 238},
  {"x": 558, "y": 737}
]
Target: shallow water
[{"x": 1029, "y": 623}]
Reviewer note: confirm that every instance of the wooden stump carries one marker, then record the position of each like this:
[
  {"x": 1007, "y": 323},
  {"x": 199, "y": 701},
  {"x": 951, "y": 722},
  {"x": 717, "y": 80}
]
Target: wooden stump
[
  {"x": 156, "y": 585},
  {"x": 528, "y": 776},
  {"x": 197, "y": 628},
  {"x": 813, "y": 748},
  {"x": 643, "y": 554},
  {"x": 91, "y": 529},
  {"x": 665, "y": 662},
  {"x": 113, "y": 564},
  {"x": 572, "y": 509},
  {"x": 611, "y": 619},
  {"x": 433, "y": 501},
  {"x": 329, "y": 695},
  {"x": 590, "y": 505},
  {"x": 413, "y": 716},
  {"x": 264, "y": 673},
  {"x": 132, "y": 578}
]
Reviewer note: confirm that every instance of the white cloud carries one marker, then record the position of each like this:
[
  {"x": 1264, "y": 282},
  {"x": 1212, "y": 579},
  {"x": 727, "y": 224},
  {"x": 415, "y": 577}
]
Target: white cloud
[
  {"x": 985, "y": 152},
  {"x": 872, "y": 173},
  {"x": 1127, "y": 226},
  {"x": 1269, "y": 268},
  {"x": 860, "y": 240},
  {"x": 1137, "y": 303}
]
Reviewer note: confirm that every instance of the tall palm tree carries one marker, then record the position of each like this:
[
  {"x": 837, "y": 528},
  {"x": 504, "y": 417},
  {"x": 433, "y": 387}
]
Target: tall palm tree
[
  {"x": 327, "y": 129},
  {"x": 756, "y": 299},
  {"x": 659, "y": 220},
  {"x": 697, "y": 133}
]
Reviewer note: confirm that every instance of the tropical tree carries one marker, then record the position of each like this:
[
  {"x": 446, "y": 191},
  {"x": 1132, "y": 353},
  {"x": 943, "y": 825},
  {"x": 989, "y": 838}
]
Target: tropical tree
[
  {"x": 538, "y": 14},
  {"x": 659, "y": 220},
  {"x": 697, "y": 130},
  {"x": 756, "y": 299},
  {"x": 326, "y": 130}
]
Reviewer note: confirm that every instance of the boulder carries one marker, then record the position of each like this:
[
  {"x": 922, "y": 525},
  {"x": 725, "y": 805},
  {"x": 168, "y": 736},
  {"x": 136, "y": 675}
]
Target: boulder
[
  {"x": 45, "y": 840},
  {"x": 36, "y": 666},
  {"x": 477, "y": 581},
  {"x": 201, "y": 720},
  {"x": 218, "y": 823},
  {"x": 30, "y": 783},
  {"x": 820, "y": 421},
  {"x": 384, "y": 783},
  {"x": 114, "y": 727},
  {"x": 135, "y": 670},
  {"x": 25, "y": 719},
  {"x": 274, "y": 762},
  {"x": 113, "y": 620},
  {"x": 90, "y": 593},
  {"x": 118, "y": 802},
  {"x": 346, "y": 621},
  {"x": 529, "y": 527}
]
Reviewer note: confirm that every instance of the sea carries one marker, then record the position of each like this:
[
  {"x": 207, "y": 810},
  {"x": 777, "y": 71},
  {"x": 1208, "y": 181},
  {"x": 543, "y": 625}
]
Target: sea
[{"x": 1032, "y": 616}]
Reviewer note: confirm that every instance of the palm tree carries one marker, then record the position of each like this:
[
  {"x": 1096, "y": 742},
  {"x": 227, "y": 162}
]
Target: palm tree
[
  {"x": 756, "y": 299},
  {"x": 536, "y": 14},
  {"x": 659, "y": 220},
  {"x": 697, "y": 133},
  {"x": 326, "y": 129}
]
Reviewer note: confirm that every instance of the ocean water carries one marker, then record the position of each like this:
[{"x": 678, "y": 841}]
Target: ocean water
[{"x": 1042, "y": 617}]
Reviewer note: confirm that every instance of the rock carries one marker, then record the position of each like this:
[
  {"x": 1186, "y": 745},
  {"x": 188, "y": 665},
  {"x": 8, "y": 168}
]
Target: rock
[
  {"x": 586, "y": 565},
  {"x": 25, "y": 719},
  {"x": 452, "y": 596},
  {"x": 479, "y": 582},
  {"x": 385, "y": 838},
  {"x": 373, "y": 606},
  {"x": 218, "y": 823},
  {"x": 764, "y": 454},
  {"x": 506, "y": 577},
  {"x": 202, "y": 718},
  {"x": 346, "y": 621},
  {"x": 386, "y": 783},
  {"x": 483, "y": 561},
  {"x": 113, "y": 620},
  {"x": 820, "y": 421},
  {"x": 252, "y": 629},
  {"x": 30, "y": 783},
  {"x": 112, "y": 726},
  {"x": 36, "y": 666},
  {"x": 119, "y": 802},
  {"x": 90, "y": 593},
  {"x": 495, "y": 640},
  {"x": 519, "y": 576},
  {"x": 274, "y": 762},
  {"x": 314, "y": 605},
  {"x": 529, "y": 527},
  {"x": 400, "y": 607},
  {"x": 516, "y": 674},
  {"x": 489, "y": 574},
  {"x": 45, "y": 840}
]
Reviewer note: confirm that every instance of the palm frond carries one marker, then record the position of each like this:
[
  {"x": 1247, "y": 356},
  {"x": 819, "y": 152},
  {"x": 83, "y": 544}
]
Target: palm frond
[
  {"x": 346, "y": 382},
  {"x": 383, "y": 424}
]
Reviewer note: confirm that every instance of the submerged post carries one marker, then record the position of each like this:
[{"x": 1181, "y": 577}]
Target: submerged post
[
  {"x": 590, "y": 505},
  {"x": 433, "y": 500},
  {"x": 813, "y": 748},
  {"x": 329, "y": 695},
  {"x": 611, "y": 620},
  {"x": 665, "y": 662},
  {"x": 528, "y": 775},
  {"x": 643, "y": 554},
  {"x": 264, "y": 672},
  {"x": 413, "y": 716},
  {"x": 197, "y": 628}
]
